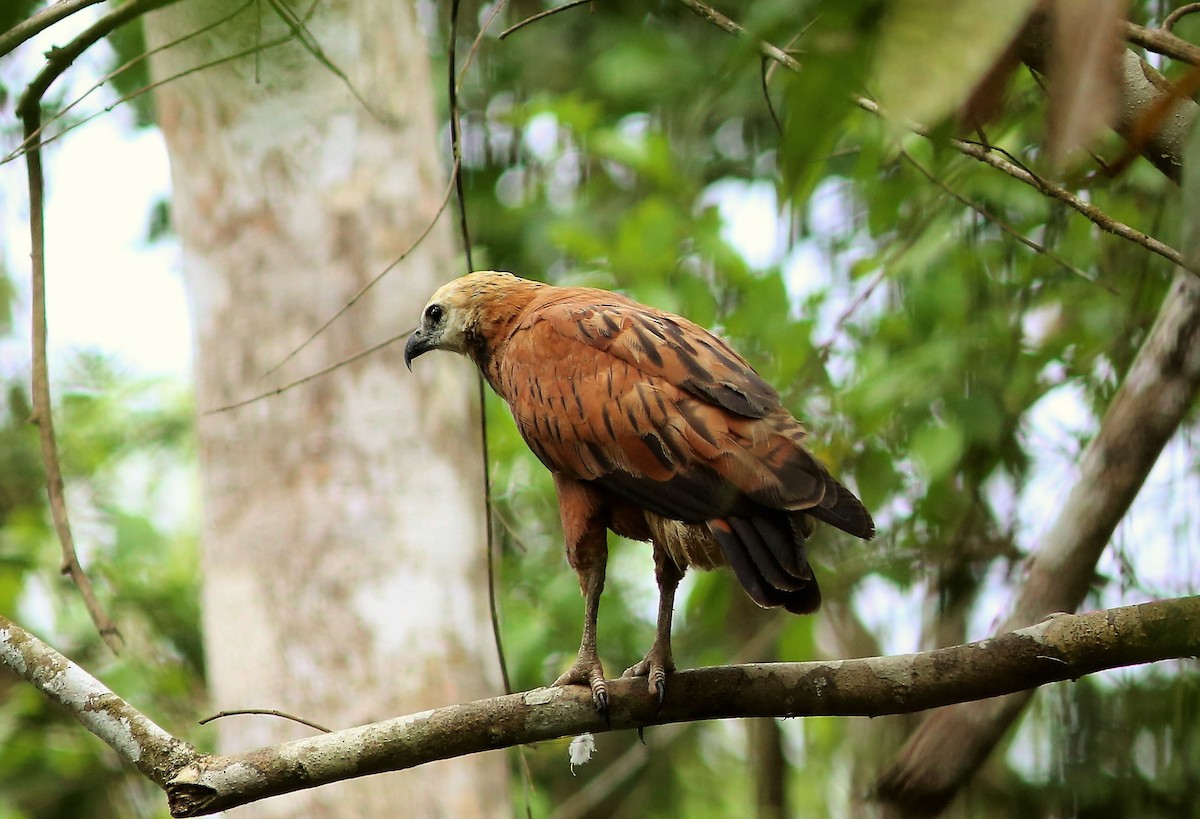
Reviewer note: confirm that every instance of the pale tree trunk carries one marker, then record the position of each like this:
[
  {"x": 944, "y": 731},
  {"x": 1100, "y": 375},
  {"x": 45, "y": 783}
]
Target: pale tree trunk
[{"x": 342, "y": 538}]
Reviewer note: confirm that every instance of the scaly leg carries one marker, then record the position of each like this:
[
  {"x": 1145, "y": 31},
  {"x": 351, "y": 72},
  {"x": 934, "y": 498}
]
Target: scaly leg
[
  {"x": 658, "y": 662},
  {"x": 587, "y": 669}
]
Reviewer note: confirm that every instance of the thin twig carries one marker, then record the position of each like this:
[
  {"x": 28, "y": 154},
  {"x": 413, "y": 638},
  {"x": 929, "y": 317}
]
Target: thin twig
[
  {"x": 354, "y": 299},
  {"x": 29, "y": 109},
  {"x": 256, "y": 49},
  {"x": 452, "y": 80},
  {"x": 1171, "y": 19},
  {"x": 721, "y": 21},
  {"x": 42, "y": 415},
  {"x": 1098, "y": 217},
  {"x": 985, "y": 155},
  {"x": 60, "y": 59},
  {"x": 39, "y": 21},
  {"x": 311, "y": 376},
  {"x": 1003, "y": 225},
  {"x": 824, "y": 349},
  {"x": 542, "y": 14},
  {"x": 111, "y": 75},
  {"x": 310, "y": 43},
  {"x": 456, "y": 148},
  {"x": 764, "y": 74},
  {"x": 267, "y": 712},
  {"x": 474, "y": 49}
]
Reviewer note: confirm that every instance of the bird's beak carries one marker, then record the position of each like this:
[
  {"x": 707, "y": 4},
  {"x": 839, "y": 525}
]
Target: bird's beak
[{"x": 416, "y": 344}]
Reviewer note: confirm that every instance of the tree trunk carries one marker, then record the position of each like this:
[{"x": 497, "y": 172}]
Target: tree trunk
[{"x": 343, "y": 534}]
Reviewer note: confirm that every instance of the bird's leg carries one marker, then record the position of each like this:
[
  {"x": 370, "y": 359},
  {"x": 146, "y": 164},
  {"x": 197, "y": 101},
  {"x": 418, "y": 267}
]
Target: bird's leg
[
  {"x": 587, "y": 669},
  {"x": 658, "y": 662},
  {"x": 586, "y": 534}
]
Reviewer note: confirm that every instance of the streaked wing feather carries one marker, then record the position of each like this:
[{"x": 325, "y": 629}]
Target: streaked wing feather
[{"x": 658, "y": 409}]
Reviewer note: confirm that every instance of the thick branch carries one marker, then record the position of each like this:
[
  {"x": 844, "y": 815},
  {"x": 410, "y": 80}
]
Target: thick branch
[
  {"x": 1059, "y": 648},
  {"x": 135, "y": 738},
  {"x": 1141, "y": 91},
  {"x": 1161, "y": 41}
]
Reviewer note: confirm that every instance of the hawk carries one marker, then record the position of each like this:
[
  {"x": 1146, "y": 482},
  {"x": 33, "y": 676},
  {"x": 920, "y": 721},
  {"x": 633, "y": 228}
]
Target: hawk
[{"x": 655, "y": 428}]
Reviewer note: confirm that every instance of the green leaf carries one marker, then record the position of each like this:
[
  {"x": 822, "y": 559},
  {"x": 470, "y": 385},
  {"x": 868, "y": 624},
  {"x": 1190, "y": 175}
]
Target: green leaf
[
  {"x": 936, "y": 447},
  {"x": 932, "y": 54}
]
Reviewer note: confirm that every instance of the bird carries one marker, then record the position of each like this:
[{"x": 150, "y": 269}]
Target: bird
[{"x": 653, "y": 428}]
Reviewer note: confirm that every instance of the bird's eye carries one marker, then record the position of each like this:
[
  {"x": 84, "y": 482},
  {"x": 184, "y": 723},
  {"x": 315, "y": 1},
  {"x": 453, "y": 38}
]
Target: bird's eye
[{"x": 434, "y": 313}]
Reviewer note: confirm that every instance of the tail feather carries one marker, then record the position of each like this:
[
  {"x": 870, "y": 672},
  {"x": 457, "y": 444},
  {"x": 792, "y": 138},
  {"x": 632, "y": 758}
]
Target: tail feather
[
  {"x": 763, "y": 543},
  {"x": 842, "y": 509},
  {"x": 751, "y": 545}
]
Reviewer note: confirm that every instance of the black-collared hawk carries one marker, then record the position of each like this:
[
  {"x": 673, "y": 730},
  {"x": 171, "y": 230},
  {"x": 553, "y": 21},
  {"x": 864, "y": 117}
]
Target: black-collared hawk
[{"x": 654, "y": 428}]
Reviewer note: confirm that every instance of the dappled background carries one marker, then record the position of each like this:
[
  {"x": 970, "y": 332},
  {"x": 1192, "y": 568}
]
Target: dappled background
[{"x": 950, "y": 334}]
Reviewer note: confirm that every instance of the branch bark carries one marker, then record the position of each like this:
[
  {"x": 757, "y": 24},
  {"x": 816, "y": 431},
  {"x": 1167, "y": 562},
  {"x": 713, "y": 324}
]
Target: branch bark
[
  {"x": 134, "y": 736},
  {"x": 1063, "y": 647}
]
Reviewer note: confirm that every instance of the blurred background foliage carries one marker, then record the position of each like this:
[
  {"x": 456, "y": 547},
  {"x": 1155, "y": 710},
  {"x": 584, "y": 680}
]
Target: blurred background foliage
[{"x": 948, "y": 371}]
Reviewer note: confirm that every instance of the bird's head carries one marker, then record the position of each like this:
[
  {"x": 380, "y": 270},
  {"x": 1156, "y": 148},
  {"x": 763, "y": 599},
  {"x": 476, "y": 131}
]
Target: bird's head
[{"x": 466, "y": 315}]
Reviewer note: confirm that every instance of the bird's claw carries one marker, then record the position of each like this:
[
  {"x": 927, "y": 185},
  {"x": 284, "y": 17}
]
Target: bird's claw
[
  {"x": 590, "y": 674},
  {"x": 655, "y": 672}
]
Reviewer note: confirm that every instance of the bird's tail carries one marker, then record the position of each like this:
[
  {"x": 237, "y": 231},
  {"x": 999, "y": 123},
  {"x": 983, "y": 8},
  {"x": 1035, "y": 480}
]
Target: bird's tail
[
  {"x": 766, "y": 553},
  {"x": 839, "y": 507}
]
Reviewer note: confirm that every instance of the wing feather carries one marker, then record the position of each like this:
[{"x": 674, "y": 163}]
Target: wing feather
[{"x": 658, "y": 410}]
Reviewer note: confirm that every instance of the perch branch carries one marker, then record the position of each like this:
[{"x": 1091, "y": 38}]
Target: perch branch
[
  {"x": 1059, "y": 648},
  {"x": 1063, "y": 647}
]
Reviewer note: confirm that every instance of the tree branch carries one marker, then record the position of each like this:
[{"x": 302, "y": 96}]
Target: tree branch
[
  {"x": 1058, "y": 648},
  {"x": 1063, "y": 647},
  {"x": 29, "y": 109},
  {"x": 1094, "y": 214},
  {"x": 1161, "y": 41},
  {"x": 38, "y": 22},
  {"x": 1141, "y": 90},
  {"x": 719, "y": 20},
  {"x": 134, "y": 736}
]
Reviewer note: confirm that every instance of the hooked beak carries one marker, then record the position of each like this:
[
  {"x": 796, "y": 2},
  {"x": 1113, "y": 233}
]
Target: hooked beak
[{"x": 415, "y": 346}]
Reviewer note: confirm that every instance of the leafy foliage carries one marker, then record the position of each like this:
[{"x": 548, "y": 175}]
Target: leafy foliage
[
  {"x": 633, "y": 145},
  {"x": 920, "y": 336},
  {"x": 127, "y": 447}
]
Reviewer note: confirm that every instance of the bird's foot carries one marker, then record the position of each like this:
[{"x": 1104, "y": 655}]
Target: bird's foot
[
  {"x": 588, "y": 671},
  {"x": 654, "y": 667}
]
